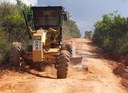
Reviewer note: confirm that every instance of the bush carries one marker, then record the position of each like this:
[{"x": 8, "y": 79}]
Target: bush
[
  {"x": 4, "y": 45},
  {"x": 111, "y": 33}
]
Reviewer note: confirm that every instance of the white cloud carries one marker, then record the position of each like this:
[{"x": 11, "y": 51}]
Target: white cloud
[
  {"x": 28, "y": 2},
  {"x": 11, "y": 1}
]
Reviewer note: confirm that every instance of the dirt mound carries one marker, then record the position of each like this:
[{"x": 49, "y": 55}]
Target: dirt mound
[
  {"x": 125, "y": 82},
  {"x": 124, "y": 59},
  {"x": 122, "y": 70}
]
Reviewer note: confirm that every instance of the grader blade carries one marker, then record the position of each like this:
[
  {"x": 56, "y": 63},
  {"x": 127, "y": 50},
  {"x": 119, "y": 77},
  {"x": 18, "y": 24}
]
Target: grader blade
[{"x": 76, "y": 60}]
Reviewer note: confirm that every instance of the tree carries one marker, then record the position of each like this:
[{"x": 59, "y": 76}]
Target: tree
[
  {"x": 12, "y": 26},
  {"x": 71, "y": 29},
  {"x": 111, "y": 34},
  {"x": 88, "y": 34}
]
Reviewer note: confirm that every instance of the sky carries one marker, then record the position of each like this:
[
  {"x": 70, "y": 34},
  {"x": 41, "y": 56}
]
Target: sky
[{"x": 85, "y": 12}]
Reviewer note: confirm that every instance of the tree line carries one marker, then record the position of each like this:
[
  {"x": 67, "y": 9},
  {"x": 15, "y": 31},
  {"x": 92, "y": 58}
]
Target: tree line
[{"x": 111, "y": 34}]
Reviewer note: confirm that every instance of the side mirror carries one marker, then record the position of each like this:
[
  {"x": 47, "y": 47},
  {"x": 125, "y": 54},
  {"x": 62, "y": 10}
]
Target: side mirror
[
  {"x": 65, "y": 17},
  {"x": 29, "y": 17}
]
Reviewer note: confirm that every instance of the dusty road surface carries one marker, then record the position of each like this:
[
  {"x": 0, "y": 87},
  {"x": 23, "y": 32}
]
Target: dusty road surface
[{"x": 99, "y": 78}]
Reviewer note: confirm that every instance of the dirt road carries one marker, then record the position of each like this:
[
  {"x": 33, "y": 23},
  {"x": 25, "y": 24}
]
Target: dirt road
[{"x": 99, "y": 78}]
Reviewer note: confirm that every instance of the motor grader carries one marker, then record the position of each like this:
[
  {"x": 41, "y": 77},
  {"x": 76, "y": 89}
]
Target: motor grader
[{"x": 46, "y": 45}]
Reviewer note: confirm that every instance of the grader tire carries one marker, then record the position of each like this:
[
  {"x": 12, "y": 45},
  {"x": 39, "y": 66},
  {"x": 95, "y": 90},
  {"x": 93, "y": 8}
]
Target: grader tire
[
  {"x": 62, "y": 65},
  {"x": 15, "y": 54}
]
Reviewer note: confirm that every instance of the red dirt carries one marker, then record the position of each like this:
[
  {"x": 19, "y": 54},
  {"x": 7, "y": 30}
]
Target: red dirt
[{"x": 98, "y": 79}]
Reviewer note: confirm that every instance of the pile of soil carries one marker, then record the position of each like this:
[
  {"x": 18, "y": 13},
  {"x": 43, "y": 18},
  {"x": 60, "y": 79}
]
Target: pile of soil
[
  {"x": 124, "y": 59},
  {"x": 122, "y": 70}
]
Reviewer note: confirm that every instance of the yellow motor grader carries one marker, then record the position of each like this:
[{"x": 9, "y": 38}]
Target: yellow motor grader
[{"x": 46, "y": 46}]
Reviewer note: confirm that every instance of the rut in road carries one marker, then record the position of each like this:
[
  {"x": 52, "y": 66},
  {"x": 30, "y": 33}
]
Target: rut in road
[{"x": 99, "y": 78}]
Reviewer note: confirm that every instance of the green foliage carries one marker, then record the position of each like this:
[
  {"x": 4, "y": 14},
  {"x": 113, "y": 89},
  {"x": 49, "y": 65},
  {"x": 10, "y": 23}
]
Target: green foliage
[
  {"x": 12, "y": 21},
  {"x": 70, "y": 29},
  {"x": 23, "y": 7},
  {"x": 14, "y": 26},
  {"x": 6, "y": 9},
  {"x": 4, "y": 46},
  {"x": 111, "y": 34},
  {"x": 88, "y": 34}
]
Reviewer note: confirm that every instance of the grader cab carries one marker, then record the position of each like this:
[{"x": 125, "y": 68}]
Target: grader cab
[{"x": 46, "y": 17}]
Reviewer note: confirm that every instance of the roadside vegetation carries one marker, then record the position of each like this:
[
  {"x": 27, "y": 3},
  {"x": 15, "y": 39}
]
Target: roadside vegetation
[
  {"x": 88, "y": 34},
  {"x": 13, "y": 28},
  {"x": 70, "y": 29},
  {"x": 111, "y": 34}
]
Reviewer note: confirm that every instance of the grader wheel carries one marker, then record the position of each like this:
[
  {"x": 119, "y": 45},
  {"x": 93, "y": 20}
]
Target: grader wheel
[
  {"x": 15, "y": 54},
  {"x": 62, "y": 65}
]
